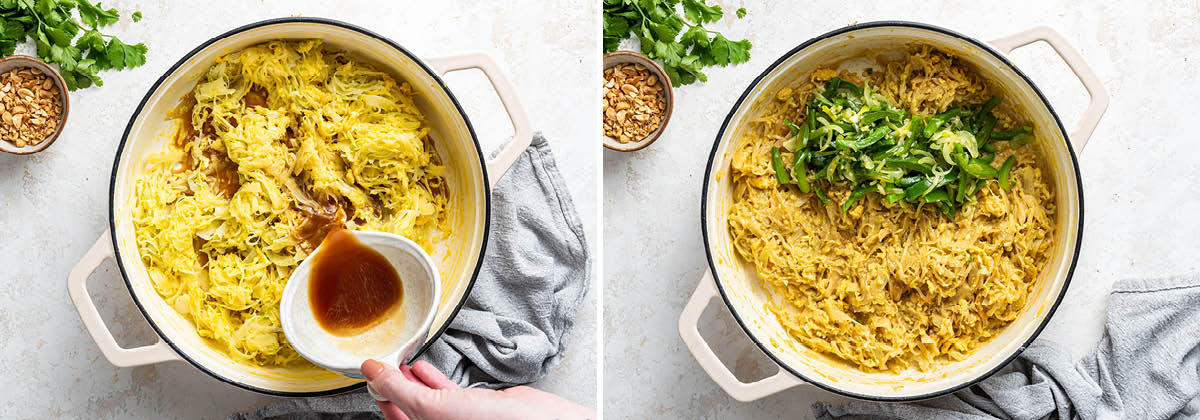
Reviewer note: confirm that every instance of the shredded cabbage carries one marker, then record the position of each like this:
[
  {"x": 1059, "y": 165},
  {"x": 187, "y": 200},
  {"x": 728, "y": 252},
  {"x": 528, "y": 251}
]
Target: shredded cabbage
[{"x": 278, "y": 143}]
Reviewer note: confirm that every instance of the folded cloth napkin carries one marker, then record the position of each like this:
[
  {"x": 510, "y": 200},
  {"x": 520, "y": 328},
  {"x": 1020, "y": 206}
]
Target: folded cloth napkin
[
  {"x": 512, "y": 328},
  {"x": 1146, "y": 366}
]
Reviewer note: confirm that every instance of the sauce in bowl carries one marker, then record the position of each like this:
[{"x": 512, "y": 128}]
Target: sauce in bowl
[{"x": 352, "y": 287}]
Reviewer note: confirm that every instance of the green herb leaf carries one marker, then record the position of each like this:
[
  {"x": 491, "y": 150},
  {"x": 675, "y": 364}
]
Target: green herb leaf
[
  {"x": 12, "y": 30},
  {"x": 64, "y": 56},
  {"x": 63, "y": 33},
  {"x": 725, "y": 52},
  {"x": 699, "y": 12},
  {"x": 741, "y": 12},
  {"x": 92, "y": 40},
  {"x": 137, "y": 16},
  {"x": 53, "y": 28},
  {"x": 121, "y": 56},
  {"x": 695, "y": 37},
  {"x": 684, "y": 48},
  {"x": 87, "y": 67},
  {"x": 94, "y": 15}
]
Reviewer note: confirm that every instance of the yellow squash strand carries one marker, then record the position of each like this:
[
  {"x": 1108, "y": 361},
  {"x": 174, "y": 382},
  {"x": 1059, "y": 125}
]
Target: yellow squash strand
[
  {"x": 885, "y": 287},
  {"x": 277, "y": 143}
]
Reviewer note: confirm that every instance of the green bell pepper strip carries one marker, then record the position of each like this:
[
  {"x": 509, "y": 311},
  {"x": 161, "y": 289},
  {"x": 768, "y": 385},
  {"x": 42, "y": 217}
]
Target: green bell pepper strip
[
  {"x": 918, "y": 127},
  {"x": 991, "y": 104},
  {"x": 975, "y": 167},
  {"x": 909, "y": 180},
  {"x": 961, "y": 192},
  {"x": 894, "y": 197},
  {"x": 853, "y": 88},
  {"x": 980, "y": 169},
  {"x": 867, "y": 141},
  {"x": 915, "y": 190},
  {"x": 935, "y": 123},
  {"x": 846, "y": 128},
  {"x": 937, "y": 196},
  {"x": 800, "y": 172},
  {"x": 890, "y": 114},
  {"x": 948, "y": 209},
  {"x": 987, "y": 157},
  {"x": 931, "y": 128},
  {"x": 950, "y": 177},
  {"x": 832, "y": 85},
  {"x": 856, "y": 195},
  {"x": 821, "y": 159},
  {"x": 925, "y": 185},
  {"x": 1012, "y": 134},
  {"x": 800, "y": 132},
  {"x": 990, "y": 148},
  {"x": 946, "y": 180},
  {"x": 1005, "y": 172},
  {"x": 836, "y": 83},
  {"x": 985, "y": 134},
  {"x": 827, "y": 171},
  {"x": 777, "y": 163},
  {"x": 910, "y": 164},
  {"x": 820, "y": 193}
]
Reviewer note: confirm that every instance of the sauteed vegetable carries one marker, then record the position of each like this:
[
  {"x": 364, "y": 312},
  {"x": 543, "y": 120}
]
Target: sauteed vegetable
[
  {"x": 855, "y": 135},
  {"x": 840, "y": 193}
]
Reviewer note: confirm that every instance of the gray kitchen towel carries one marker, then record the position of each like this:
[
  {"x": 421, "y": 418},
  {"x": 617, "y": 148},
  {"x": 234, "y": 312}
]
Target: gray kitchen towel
[
  {"x": 1146, "y": 366},
  {"x": 512, "y": 328}
]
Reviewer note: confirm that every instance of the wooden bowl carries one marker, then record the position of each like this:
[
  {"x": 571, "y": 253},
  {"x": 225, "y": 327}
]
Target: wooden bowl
[
  {"x": 622, "y": 57},
  {"x": 18, "y": 61}
]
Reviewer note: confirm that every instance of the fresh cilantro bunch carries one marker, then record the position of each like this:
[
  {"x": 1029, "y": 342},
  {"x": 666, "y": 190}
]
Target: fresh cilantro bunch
[
  {"x": 53, "y": 27},
  {"x": 683, "y": 45}
]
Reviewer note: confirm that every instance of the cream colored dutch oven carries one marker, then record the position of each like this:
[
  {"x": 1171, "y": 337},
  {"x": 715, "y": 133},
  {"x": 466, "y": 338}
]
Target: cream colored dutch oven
[
  {"x": 735, "y": 282},
  {"x": 469, "y": 177}
]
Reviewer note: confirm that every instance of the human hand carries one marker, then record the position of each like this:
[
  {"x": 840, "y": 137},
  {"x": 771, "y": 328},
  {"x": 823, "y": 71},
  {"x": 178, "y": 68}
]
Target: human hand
[{"x": 421, "y": 392}]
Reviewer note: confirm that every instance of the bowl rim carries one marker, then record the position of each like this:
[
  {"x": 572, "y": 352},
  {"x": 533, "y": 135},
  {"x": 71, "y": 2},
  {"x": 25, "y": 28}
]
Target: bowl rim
[
  {"x": 654, "y": 67},
  {"x": 487, "y": 199},
  {"x": 63, "y": 94},
  {"x": 708, "y": 176}
]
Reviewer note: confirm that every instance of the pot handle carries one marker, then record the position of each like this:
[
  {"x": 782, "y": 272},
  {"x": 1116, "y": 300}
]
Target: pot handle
[
  {"x": 522, "y": 129},
  {"x": 77, "y": 288},
  {"x": 1069, "y": 55},
  {"x": 689, "y": 322}
]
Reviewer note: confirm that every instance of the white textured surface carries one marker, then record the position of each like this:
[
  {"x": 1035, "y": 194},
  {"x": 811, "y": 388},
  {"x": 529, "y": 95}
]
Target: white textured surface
[
  {"x": 53, "y": 205},
  {"x": 1139, "y": 175}
]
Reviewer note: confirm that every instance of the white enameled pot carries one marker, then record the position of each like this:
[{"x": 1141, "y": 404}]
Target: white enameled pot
[
  {"x": 736, "y": 283},
  {"x": 469, "y": 177}
]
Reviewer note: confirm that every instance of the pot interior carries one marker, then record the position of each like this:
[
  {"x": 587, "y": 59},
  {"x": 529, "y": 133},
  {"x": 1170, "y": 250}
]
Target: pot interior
[
  {"x": 743, "y": 290},
  {"x": 456, "y": 257}
]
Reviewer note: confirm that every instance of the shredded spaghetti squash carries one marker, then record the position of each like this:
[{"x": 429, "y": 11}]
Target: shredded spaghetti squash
[
  {"x": 277, "y": 144},
  {"x": 888, "y": 285}
]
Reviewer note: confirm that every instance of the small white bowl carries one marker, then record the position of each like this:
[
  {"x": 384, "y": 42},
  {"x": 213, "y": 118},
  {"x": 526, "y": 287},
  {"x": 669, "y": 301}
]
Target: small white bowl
[{"x": 392, "y": 341}]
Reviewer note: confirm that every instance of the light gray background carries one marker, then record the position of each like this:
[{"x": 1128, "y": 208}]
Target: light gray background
[
  {"x": 53, "y": 205},
  {"x": 1139, "y": 176}
]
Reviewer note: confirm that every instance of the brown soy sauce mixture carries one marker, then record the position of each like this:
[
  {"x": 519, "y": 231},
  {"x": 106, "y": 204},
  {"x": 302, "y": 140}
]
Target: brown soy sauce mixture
[{"x": 352, "y": 287}]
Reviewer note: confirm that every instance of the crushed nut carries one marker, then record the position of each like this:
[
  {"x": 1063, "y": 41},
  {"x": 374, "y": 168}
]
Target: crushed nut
[
  {"x": 634, "y": 102},
  {"x": 29, "y": 106}
]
